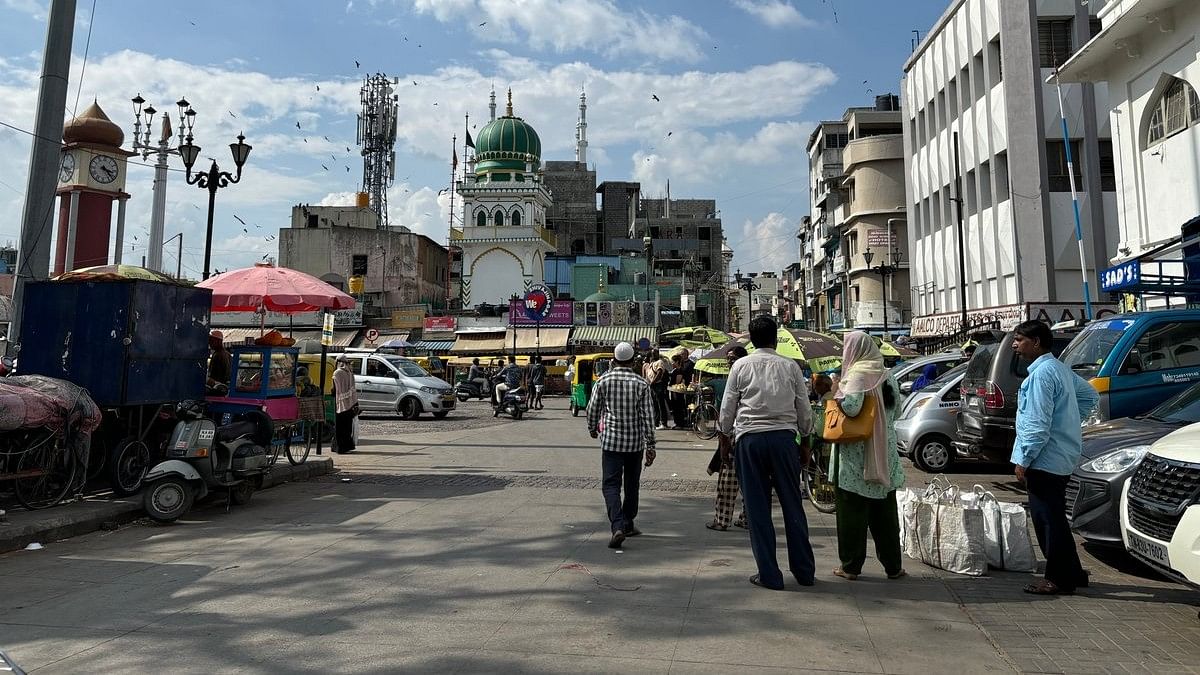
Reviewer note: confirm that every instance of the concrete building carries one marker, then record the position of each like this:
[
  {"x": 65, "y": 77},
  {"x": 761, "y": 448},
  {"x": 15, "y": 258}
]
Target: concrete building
[
  {"x": 504, "y": 239},
  {"x": 333, "y": 243},
  {"x": 1147, "y": 54},
  {"x": 853, "y": 245},
  {"x": 979, "y": 76},
  {"x": 572, "y": 214}
]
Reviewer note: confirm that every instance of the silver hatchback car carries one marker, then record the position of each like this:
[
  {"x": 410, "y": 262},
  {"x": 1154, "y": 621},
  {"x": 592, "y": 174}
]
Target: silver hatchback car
[{"x": 927, "y": 423}]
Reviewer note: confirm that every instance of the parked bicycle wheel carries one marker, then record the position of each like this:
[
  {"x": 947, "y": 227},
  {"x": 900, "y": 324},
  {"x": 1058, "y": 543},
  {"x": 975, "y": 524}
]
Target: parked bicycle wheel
[
  {"x": 45, "y": 473},
  {"x": 818, "y": 484},
  {"x": 704, "y": 421},
  {"x": 302, "y": 444}
]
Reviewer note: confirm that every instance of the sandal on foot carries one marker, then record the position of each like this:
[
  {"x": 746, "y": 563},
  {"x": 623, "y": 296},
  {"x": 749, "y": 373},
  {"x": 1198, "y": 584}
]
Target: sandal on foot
[
  {"x": 757, "y": 581},
  {"x": 898, "y": 575},
  {"x": 713, "y": 525},
  {"x": 839, "y": 572},
  {"x": 742, "y": 524},
  {"x": 1045, "y": 587}
]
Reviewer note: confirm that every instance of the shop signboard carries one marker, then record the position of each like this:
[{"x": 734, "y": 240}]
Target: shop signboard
[
  {"x": 562, "y": 315},
  {"x": 412, "y": 317},
  {"x": 440, "y": 324}
]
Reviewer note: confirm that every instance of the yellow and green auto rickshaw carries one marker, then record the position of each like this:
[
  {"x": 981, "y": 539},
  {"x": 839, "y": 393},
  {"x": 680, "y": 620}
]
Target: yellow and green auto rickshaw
[{"x": 587, "y": 371}]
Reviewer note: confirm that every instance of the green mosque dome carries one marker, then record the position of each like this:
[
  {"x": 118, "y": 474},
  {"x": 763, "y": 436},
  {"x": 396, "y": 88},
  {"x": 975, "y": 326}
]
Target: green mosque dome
[{"x": 507, "y": 144}]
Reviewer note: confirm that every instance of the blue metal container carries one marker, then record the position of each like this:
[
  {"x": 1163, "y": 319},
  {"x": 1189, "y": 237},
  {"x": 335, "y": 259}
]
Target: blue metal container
[{"x": 128, "y": 342}]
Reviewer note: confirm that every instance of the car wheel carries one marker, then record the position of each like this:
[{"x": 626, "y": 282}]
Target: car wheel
[
  {"x": 933, "y": 454},
  {"x": 463, "y": 396},
  {"x": 409, "y": 409}
]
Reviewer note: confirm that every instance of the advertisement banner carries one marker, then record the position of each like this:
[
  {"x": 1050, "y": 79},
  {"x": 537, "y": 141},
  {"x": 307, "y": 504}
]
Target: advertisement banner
[
  {"x": 879, "y": 239},
  {"x": 440, "y": 323},
  {"x": 408, "y": 318},
  {"x": 562, "y": 315},
  {"x": 1008, "y": 316}
]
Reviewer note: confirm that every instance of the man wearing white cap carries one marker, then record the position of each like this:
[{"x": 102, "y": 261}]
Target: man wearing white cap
[{"x": 621, "y": 415}]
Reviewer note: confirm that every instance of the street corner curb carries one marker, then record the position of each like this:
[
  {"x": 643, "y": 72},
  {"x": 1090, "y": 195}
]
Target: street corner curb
[
  {"x": 68, "y": 520},
  {"x": 315, "y": 466},
  {"x": 71, "y": 520}
]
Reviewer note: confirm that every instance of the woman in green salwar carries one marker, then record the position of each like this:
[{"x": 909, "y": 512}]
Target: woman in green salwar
[{"x": 868, "y": 472}]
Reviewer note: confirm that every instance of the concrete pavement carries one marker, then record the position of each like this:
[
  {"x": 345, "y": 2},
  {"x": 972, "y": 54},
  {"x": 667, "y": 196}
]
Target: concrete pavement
[{"x": 479, "y": 547}]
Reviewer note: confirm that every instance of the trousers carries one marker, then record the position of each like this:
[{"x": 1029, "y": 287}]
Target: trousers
[
  {"x": 621, "y": 469},
  {"x": 344, "y": 430},
  {"x": 766, "y": 461},
  {"x": 1048, "y": 509},
  {"x": 856, "y": 515}
]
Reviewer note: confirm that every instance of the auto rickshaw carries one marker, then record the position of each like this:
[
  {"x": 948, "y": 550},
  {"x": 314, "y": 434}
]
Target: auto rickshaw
[{"x": 588, "y": 369}]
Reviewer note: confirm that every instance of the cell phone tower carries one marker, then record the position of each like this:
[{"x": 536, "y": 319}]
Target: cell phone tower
[{"x": 377, "y": 136}]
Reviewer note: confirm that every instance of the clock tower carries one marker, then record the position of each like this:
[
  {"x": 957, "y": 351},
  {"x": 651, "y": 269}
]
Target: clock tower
[{"x": 91, "y": 177}]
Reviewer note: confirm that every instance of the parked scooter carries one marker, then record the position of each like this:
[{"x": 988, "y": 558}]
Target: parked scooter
[
  {"x": 467, "y": 390},
  {"x": 513, "y": 404},
  {"x": 202, "y": 456}
]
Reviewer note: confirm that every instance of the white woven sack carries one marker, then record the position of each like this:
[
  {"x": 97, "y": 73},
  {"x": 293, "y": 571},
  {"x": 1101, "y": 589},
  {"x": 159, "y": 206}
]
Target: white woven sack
[
  {"x": 944, "y": 534},
  {"x": 1006, "y": 530}
]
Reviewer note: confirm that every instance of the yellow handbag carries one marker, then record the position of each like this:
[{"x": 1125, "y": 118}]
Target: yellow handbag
[{"x": 842, "y": 428}]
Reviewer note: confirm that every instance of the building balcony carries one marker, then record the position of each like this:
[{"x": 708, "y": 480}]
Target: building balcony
[
  {"x": 873, "y": 149},
  {"x": 492, "y": 233}
]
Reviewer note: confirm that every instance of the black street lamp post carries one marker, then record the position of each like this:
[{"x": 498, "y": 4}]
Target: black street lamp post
[
  {"x": 214, "y": 178},
  {"x": 884, "y": 270},
  {"x": 747, "y": 284}
]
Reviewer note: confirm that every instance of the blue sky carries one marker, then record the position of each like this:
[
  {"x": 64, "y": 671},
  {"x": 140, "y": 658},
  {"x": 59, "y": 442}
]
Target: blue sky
[{"x": 741, "y": 84}]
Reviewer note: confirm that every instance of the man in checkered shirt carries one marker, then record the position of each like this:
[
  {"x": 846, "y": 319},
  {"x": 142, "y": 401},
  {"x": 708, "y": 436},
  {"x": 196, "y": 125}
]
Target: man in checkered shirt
[{"x": 621, "y": 415}]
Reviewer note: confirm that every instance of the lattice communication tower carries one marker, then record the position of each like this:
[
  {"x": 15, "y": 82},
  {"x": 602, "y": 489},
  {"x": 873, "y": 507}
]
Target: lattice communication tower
[{"x": 377, "y": 136}]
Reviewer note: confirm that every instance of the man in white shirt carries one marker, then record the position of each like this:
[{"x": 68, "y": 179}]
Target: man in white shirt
[{"x": 764, "y": 409}]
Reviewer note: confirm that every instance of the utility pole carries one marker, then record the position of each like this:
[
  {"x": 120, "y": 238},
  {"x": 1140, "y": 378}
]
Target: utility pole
[
  {"x": 962, "y": 256},
  {"x": 33, "y": 256}
]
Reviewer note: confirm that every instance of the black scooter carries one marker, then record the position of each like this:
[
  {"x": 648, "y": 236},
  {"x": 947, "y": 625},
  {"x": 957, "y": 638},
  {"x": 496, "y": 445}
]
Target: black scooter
[
  {"x": 513, "y": 403},
  {"x": 467, "y": 390}
]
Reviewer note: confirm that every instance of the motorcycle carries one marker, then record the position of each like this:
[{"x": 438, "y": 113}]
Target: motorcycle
[
  {"x": 513, "y": 404},
  {"x": 202, "y": 456},
  {"x": 467, "y": 390}
]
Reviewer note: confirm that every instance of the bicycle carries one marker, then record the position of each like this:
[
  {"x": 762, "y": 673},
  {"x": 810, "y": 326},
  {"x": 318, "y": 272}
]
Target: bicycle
[
  {"x": 817, "y": 480},
  {"x": 703, "y": 415}
]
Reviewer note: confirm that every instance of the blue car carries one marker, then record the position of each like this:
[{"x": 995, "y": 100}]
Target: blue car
[{"x": 1136, "y": 361}]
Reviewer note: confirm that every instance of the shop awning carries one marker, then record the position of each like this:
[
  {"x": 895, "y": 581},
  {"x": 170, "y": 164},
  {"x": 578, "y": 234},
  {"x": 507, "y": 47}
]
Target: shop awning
[
  {"x": 433, "y": 345},
  {"x": 528, "y": 340},
  {"x": 610, "y": 336},
  {"x": 479, "y": 343}
]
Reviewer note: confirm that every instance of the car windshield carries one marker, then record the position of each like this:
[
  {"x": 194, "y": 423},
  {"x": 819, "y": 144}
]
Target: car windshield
[
  {"x": 980, "y": 365},
  {"x": 1183, "y": 408},
  {"x": 408, "y": 368},
  {"x": 1088, "y": 350}
]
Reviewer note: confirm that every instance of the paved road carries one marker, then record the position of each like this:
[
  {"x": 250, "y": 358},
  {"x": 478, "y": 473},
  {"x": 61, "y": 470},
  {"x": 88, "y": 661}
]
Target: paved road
[{"x": 477, "y": 545}]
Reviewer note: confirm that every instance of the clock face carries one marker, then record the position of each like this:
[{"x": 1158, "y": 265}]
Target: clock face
[
  {"x": 66, "y": 168},
  {"x": 103, "y": 169}
]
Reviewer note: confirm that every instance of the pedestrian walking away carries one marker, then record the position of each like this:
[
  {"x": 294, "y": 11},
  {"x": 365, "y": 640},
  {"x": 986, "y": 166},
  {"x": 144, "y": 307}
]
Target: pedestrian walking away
[
  {"x": 727, "y": 484},
  {"x": 764, "y": 409},
  {"x": 1052, "y": 403},
  {"x": 537, "y": 382},
  {"x": 655, "y": 372},
  {"x": 620, "y": 414},
  {"x": 868, "y": 472},
  {"x": 346, "y": 405}
]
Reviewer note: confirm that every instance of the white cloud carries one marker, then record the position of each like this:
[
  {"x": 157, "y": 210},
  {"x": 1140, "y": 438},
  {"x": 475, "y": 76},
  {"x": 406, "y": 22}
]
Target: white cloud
[
  {"x": 766, "y": 245},
  {"x": 33, "y": 8},
  {"x": 774, "y": 13},
  {"x": 570, "y": 25}
]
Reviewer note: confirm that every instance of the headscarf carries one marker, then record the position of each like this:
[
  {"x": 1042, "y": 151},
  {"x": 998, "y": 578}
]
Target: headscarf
[
  {"x": 863, "y": 372},
  {"x": 928, "y": 375}
]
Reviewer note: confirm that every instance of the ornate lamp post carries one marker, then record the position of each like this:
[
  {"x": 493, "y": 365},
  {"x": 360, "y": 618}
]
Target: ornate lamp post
[
  {"x": 214, "y": 178},
  {"x": 884, "y": 270},
  {"x": 163, "y": 150},
  {"x": 747, "y": 284}
]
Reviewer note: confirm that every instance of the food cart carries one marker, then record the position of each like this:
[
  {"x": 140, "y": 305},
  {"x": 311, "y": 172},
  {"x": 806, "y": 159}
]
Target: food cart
[{"x": 263, "y": 378}]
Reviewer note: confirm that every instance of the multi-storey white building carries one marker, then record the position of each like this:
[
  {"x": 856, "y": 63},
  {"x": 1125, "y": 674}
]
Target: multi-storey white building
[
  {"x": 976, "y": 87},
  {"x": 1148, "y": 53}
]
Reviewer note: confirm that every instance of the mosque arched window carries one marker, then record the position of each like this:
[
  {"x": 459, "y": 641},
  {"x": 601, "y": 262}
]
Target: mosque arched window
[
  {"x": 481, "y": 219},
  {"x": 1176, "y": 108},
  {"x": 498, "y": 218},
  {"x": 515, "y": 219}
]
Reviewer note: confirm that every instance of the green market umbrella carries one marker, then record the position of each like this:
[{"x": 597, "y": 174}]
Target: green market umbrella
[
  {"x": 822, "y": 352},
  {"x": 696, "y": 336}
]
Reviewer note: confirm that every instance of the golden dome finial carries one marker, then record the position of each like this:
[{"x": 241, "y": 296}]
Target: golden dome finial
[{"x": 508, "y": 109}]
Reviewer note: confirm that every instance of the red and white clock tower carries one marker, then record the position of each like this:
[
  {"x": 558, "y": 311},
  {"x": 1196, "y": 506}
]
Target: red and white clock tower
[{"x": 91, "y": 177}]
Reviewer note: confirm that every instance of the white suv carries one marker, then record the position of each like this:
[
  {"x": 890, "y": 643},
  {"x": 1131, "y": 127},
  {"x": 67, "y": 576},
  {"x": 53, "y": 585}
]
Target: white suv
[{"x": 1160, "y": 506}]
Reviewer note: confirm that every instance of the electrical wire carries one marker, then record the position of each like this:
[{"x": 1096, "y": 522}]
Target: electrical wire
[{"x": 83, "y": 69}]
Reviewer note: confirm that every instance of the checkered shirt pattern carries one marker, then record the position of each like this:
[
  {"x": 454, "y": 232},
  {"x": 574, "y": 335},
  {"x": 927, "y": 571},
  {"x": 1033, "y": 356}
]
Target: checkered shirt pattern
[{"x": 621, "y": 410}]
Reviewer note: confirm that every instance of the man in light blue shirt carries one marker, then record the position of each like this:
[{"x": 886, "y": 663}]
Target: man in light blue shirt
[{"x": 1051, "y": 405}]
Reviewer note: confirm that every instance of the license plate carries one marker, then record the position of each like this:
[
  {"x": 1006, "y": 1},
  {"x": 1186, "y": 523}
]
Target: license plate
[
  {"x": 448, "y": 397},
  {"x": 1150, "y": 549}
]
